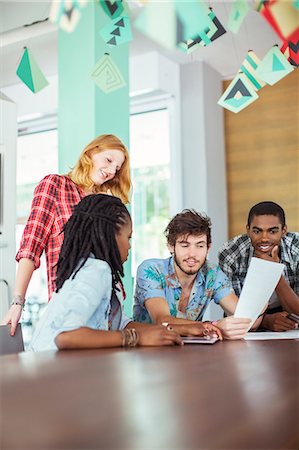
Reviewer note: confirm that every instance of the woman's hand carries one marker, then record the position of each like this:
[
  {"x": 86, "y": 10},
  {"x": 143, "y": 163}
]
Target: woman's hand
[
  {"x": 198, "y": 329},
  {"x": 158, "y": 335},
  {"x": 13, "y": 317}
]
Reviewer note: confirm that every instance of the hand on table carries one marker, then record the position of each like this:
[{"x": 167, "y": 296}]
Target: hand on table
[
  {"x": 12, "y": 318},
  {"x": 278, "y": 322},
  {"x": 197, "y": 329},
  {"x": 233, "y": 327},
  {"x": 158, "y": 335}
]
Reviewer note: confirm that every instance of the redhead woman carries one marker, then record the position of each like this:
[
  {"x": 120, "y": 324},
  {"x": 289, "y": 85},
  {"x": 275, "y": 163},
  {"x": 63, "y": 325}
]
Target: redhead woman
[{"x": 103, "y": 167}]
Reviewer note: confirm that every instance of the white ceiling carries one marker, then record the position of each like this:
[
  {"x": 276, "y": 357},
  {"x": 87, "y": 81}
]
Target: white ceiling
[{"x": 225, "y": 54}]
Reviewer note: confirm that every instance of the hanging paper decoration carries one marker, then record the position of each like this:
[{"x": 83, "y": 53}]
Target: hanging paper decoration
[
  {"x": 179, "y": 24},
  {"x": 281, "y": 16},
  {"x": 29, "y": 72},
  {"x": 238, "y": 13},
  {"x": 220, "y": 28},
  {"x": 107, "y": 75},
  {"x": 117, "y": 31},
  {"x": 193, "y": 21},
  {"x": 249, "y": 67},
  {"x": 192, "y": 44},
  {"x": 274, "y": 66},
  {"x": 66, "y": 13},
  {"x": 290, "y": 49},
  {"x": 238, "y": 95},
  {"x": 296, "y": 4},
  {"x": 113, "y": 8},
  {"x": 158, "y": 22}
]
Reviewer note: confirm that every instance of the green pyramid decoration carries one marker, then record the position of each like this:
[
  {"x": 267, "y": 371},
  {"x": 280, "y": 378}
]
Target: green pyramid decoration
[{"x": 29, "y": 72}]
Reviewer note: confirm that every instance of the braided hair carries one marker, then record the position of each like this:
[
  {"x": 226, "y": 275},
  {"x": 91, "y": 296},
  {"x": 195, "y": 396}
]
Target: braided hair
[{"x": 91, "y": 229}]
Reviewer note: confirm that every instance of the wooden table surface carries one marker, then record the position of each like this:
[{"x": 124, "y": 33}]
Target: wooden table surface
[{"x": 230, "y": 395}]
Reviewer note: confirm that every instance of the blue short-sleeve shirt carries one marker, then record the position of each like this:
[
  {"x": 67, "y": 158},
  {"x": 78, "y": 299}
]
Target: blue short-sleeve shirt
[
  {"x": 157, "y": 278},
  {"x": 83, "y": 301}
]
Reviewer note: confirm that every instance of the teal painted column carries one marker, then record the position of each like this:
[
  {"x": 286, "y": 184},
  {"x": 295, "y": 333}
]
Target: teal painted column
[{"x": 84, "y": 111}]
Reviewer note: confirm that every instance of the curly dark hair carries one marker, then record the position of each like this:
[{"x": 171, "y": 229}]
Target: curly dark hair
[{"x": 188, "y": 222}]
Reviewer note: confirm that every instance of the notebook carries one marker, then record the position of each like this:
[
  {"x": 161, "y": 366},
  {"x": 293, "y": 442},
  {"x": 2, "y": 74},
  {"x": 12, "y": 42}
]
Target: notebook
[{"x": 11, "y": 344}]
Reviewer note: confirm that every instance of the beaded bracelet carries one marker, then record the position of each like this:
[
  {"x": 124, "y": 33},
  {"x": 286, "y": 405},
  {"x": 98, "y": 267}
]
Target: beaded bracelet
[
  {"x": 130, "y": 337},
  {"x": 18, "y": 300}
]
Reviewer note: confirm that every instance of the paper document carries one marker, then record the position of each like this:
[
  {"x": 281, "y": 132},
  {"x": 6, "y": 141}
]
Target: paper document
[
  {"x": 260, "y": 282},
  {"x": 267, "y": 335}
]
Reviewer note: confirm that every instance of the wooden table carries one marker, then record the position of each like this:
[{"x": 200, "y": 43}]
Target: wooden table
[{"x": 231, "y": 395}]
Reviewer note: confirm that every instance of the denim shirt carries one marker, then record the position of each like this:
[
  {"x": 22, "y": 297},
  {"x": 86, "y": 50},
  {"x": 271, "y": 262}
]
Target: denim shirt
[
  {"x": 157, "y": 278},
  {"x": 83, "y": 301}
]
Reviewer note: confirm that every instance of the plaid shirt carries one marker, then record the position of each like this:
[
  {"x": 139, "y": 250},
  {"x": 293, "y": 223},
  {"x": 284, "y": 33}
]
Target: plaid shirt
[
  {"x": 235, "y": 256},
  {"x": 53, "y": 202}
]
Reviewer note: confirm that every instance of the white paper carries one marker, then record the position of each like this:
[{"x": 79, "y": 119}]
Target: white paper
[
  {"x": 260, "y": 282},
  {"x": 266, "y": 335}
]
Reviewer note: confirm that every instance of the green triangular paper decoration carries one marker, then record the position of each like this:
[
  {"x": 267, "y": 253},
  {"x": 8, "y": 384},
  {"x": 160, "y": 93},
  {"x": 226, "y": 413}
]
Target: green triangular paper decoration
[
  {"x": 274, "y": 66},
  {"x": 29, "y": 72},
  {"x": 238, "y": 94},
  {"x": 238, "y": 12}
]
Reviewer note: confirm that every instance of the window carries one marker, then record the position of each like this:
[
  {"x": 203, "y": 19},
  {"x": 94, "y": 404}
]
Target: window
[
  {"x": 150, "y": 163},
  {"x": 37, "y": 156}
]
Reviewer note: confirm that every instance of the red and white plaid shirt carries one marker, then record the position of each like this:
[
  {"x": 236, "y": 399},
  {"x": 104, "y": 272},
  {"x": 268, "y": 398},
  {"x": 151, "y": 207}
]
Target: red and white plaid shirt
[{"x": 53, "y": 202}]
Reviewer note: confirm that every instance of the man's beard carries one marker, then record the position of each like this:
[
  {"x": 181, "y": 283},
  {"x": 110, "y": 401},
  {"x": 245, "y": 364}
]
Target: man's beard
[{"x": 187, "y": 272}]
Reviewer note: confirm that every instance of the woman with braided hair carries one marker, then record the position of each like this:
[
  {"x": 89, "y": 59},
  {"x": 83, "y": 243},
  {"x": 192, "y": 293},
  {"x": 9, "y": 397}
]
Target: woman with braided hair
[
  {"x": 86, "y": 311},
  {"x": 103, "y": 166}
]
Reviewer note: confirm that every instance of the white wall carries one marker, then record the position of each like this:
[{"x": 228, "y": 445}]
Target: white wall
[
  {"x": 29, "y": 104},
  {"x": 8, "y": 136}
]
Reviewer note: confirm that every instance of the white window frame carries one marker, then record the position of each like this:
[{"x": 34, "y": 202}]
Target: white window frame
[{"x": 155, "y": 103}]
